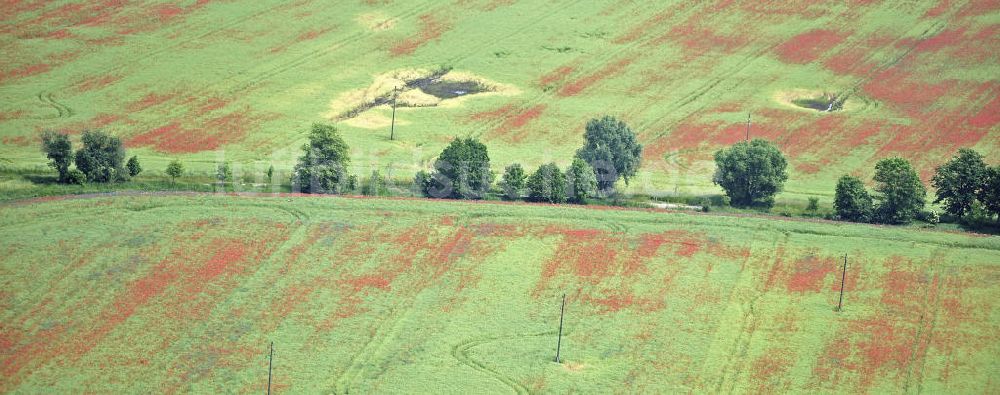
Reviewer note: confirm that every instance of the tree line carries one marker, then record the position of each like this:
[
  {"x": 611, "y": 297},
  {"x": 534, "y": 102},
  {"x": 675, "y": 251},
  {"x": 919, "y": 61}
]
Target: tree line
[
  {"x": 102, "y": 158},
  {"x": 463, "y": 169},
  {"x": 751, "y": 173}
]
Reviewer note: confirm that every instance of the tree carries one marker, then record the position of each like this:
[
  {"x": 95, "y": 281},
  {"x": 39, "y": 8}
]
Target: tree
[
  {"x": 270, "y": 173},
  {"x": 512, "y": 182},
  {"x": 375, "y": 185},
  {"x": 102, "y": 157},
  {"x": 958, "y": 181},
  {"x": 463, "y": 170},
  {"x": 323, "y": 167},
  {"x": 612, "y": 149},
  {"x": 580, "y": 181},
  {"x": 852, "y": 202},
  {"x": 223, "y": 172},
  {"x": 175, "y": 169},
  {"x": 59, "y": 150},
  {"x": 900, "y": 192},
  {"x": 422, "y": 182},
  {"x": 751, "y": 172},
  {"x": 547, "y": 184},
  {"x": 134, "y": 168},
  {"x": 989, "y": 195}
]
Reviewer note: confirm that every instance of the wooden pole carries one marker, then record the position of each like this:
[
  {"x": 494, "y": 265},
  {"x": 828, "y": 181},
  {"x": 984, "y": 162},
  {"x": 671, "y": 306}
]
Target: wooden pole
[
  {"x": 392, "y": 127},
  {"x": 748, "y": 127},
  {"x": 270, "y": 357},
  {"x": 843, "y": 279},
  {"x": 562, "y": 311}
]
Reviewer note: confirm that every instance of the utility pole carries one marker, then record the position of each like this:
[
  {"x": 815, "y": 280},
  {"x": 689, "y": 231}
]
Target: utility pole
[
  {"x": 843, "y": 279},
  {"x": 748, "y": 127},
  {"x": 392, "y": 127},
  {"x": 562, "y": 310},
  {"x": 270, "y": 357}
]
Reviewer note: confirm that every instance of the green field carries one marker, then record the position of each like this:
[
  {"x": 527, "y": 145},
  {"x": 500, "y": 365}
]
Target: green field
[
  {"x": 205, "y": 81},
  {"x": 164, "y": 294}
]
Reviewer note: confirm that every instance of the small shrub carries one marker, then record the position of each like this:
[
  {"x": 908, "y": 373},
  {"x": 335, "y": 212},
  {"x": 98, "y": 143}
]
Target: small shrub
[
  {"x": 375, "y": 185},
  {"x": 928, "y": 216},
  {"x": 813, "y": 204},
  {"x": 719, "y": 200},
  {"x": 352, "y": 182},
  {"x": 134, "y": 168},
  {"x": 75, "y": 177},
  {"x": 422, "y": 182},
  {"x": 175, "y": 169},
  {"x": 512, "y": 182}
]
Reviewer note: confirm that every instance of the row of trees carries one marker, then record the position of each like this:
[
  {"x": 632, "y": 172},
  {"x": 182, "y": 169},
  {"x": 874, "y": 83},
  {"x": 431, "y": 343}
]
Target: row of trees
[
  {"x": 610, "y": 152},
  {"x": 462, "y": 170},
  {"x": 753, "y": 172},
  {"x": 899, "y": 195},
  {"x": 102, "y": 158},
  {"x": 964, "y": 184}
]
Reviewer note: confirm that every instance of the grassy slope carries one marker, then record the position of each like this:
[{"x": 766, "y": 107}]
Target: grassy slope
[
  {"x": 249, "y": 78},
  {"x": 154, "y": 294}
]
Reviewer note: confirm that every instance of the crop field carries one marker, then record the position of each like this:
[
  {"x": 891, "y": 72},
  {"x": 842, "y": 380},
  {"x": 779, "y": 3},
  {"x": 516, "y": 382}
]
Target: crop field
[
  {"x": 210, "y": 80},
  {"x": 181, "y": 293}
]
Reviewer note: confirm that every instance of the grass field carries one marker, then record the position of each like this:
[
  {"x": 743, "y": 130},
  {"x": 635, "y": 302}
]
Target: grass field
[
  {"x": 183, "y": 293},
  {"x": 211, "y": 80}
]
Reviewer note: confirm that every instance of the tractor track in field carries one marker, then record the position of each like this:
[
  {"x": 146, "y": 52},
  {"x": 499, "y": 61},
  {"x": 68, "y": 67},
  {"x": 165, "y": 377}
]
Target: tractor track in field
[
  {"x": 270, "y": 71},
  {"x": 927, "y": 325},
  {"x": 133, "y": 62},
  {"x": 488, "y": 45},
  {"x": 597, "y": 63},
  {"x": 462, "y": 350},
  {"x": 62, "y": 111},
  {"x": 736, "y": 357},
  {"x": 713, "y": 83}
]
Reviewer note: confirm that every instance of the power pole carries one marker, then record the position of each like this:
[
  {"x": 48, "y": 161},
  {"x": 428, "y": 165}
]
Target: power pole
[
  {"x": 748, "y": 127},
  {"x": 562, "y": 310},
  {"x": 270, "y": 357},
  {"x": 843, "y": 279},
  {"x": 392, "y": 127}
]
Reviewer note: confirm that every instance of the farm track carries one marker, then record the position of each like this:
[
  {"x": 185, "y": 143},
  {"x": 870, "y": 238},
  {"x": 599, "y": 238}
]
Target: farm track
[{"x": 461, "y": 352}]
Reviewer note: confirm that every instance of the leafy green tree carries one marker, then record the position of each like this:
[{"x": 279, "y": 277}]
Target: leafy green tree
[
  {"x": 547, "y": 184},
  {"x": 323, "y": 167},
  {"x": 102, "y": 157},
  {"x": 270, "y": 173},
  {"x": 175, "y": 169},
  {"x": 852, "y": 202},
  {"x": 751, "y": 172},
  {"x": 463, "y": 170},
  {"x": 375, "y": 185},
  {"x": 512, "y": 182},
  {"x": 612, "y": 149},
  {"x": 223, "y": 172},
  {"x": 59, "y": 150},
  {"x": 422, "y": 183},
  {"x": 958, "y": 181},
  {"x": 900, "y": 192},
  {"x": 580, "y": 181},
  {"x": 989, "y": 195},
  {"x": 134, "y": 168}
]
